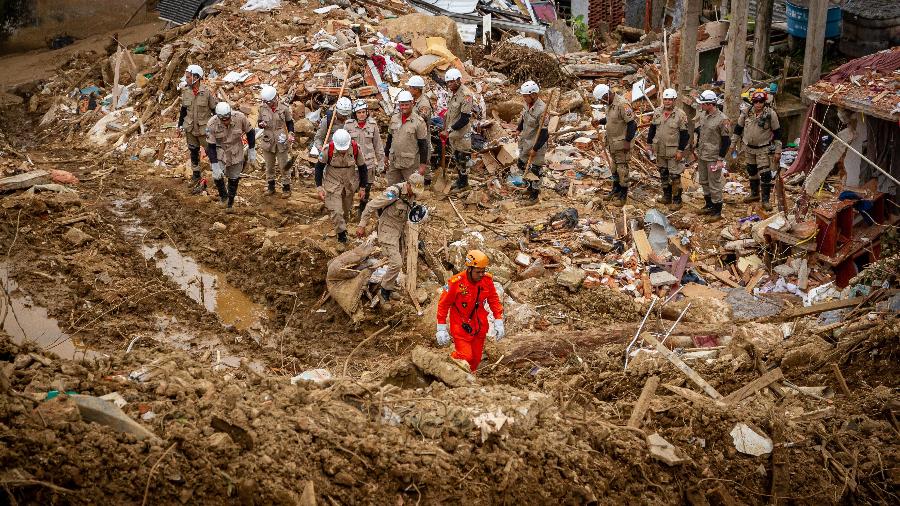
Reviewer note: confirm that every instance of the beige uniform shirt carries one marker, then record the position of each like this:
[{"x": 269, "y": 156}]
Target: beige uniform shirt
[
  {"x": 199, "y": 108},
  {"x": 405, "y": 135},
  {"x": 712, "y": 128},
  {"x": 341, "y": 170},
  {"x": 368, "y": 137},
  {"x": 393, "y": 214},
  {"x": 426, "y": 111},
  {"x": 758, "y": 128},
  {"x": 618, "y": 116},
  {"x": 275, "y": 126},
  {"x": 229, "y": 145},
  {"x": 665, "y": 143},
  {"x": 460, "y": 103},
  {"x": 531, "y": 125}
]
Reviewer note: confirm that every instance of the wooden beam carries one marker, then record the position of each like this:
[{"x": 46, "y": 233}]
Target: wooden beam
[
  {"x": 412, "y": 258},
  {"x": 693, "y": 396},
  {"x": 829, "y": 306},
  {"x": 686, "y": 369},
  {"x": 643, "y": 402},
  {"x": 735, "y": 59},
  {"x": 687, "y": 58},
  {"x": 25, "y": 180},
  {"x": 761, "y": 37},
  {"x": 840, "y": 379},
  {"x": 815, "y": 44},
  {"x": 754, "y": 386}
]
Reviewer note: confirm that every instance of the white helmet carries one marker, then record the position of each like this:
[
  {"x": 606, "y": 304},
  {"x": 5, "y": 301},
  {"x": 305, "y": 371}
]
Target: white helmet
[
  {"x": 267, "y": 94},
  {"x": 404, "y": 96},
  {"x": 670, "y": 93},
  {"x": 600, "y": 91},
  {"x": 223, "y": 110},
  {"x": 341, "y": 140},
  {"x": 360, "y": 105},
  {"x": 344, "y": 106},
  {"x": 528, "y": 88},
  {"x": 707, "y": 97},
  {"x": 195, "y": 69},
  {"x": 416, "y": 82},
  {"x": 452, "y": 75}
]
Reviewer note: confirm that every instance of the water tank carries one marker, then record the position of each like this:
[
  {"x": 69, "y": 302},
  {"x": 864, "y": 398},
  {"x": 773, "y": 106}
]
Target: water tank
[
  {"x": 870, "y": 26},
  {"x": 797, "y": 14}
]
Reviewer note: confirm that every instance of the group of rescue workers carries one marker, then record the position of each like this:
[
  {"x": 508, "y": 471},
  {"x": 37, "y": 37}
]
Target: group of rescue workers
[{"x": 351, "y": 156}]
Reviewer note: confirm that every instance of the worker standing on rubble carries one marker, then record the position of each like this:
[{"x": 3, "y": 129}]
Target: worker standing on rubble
[
  {"x": 393, "y": 208},
  {"x": 343, "y": 109},
  {"x": 533, "y": 137},
  {"x": 407, "y": 141},
  {"x": 458, "y": 126},
  {"x": 197, "y": 105},
  {"x": 462, "y": 301},
  {"x": 277, "y": 124},
  {"x": 760, "y": 133},
  {"x": 668, "y": 137},
  {"x": 225, "y": 149},
  {"x": 713, "y": 140},
  {"x": 621, "y": 128},
  {"x": 341, "y": 171},
  {"x": 423, "y": 107},
  {"x": 364, "y": 130}
]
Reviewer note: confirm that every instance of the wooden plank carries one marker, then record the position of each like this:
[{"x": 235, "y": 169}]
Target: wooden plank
[
  {"x": 754, "y": 386},
  {"x": 643, "y": 402},
  {"x": 25, "y": 180},
  {"x": 693, "y": 396},
  {"x": 722, "y": 276},
  {"x": 815, "y": 43},
  {"x": 826, "y": 306},
  {"x": 412, "y": 258},
  {"x": 678, "y": 270},
  {"x": 840, "y": 379},
  {"x": 642, "y": 244},
  {"x": 755, "y": 280},
  {"x": 686, "y": 369}
]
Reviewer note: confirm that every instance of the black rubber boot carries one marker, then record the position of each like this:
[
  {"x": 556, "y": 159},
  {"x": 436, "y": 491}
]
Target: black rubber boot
[
  {"x": 195, "y": 175},
  {"x": 676, "y": 195},
  {"x": 232, "y": 193},
  {"x": 752, "y": 172},
  {"x": 462, "y": 182},
  {"x": 220, "y": 186},
  {"x": 715, "y": 213},
  {"x": 342, "y": 237},
  {"x": 616, "y": 189},
  {"x": 285, "y": 190},
  {"x": 270, "y": 188},
  {"x": 766, "y": 190},
  {"x": 708, "y": 207},
  {"x": 385, "y": 295},
  {"x": 623, "y": 195},
  {"x": 666, "y": 197}
]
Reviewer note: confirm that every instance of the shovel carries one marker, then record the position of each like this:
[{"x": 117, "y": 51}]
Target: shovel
[{"x": 441, "y": 184}]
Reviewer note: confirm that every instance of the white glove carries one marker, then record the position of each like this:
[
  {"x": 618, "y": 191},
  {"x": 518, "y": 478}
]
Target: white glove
[
  {"x": 216, "y": 170},
  {"x": 251, "y": 155},
  {"x": 282, "y": 138},
  {"x": 500, "y": 330},
  {"x": 442, "y": 336}
]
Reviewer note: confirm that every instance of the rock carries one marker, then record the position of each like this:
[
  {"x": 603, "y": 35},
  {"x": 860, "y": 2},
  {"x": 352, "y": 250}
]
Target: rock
[
  {"x": 746, "y": 306},
  {"x": 784, "y": 270},
  {"x": 427, "y": 25},
  {"x": 62, "y": 177},
  {"x": 662, "y": 278},
  {"x": 76, "y": 237},
  {"x": 218, "y": 226},
  {"x": 318, "y": 376},
  {"x": 97, "y": 410},
  {"x": 308, "y": 498},
  {"x": 147, "y": 155},
  {"x": 749, "y": 441},
  {"x": 219, "y": 441},
  {"x": 571, "y": 278},
  {"x": 535, "y": 270},
  {"x": 303, "y": 127},
  {"x": 439, "y": 366},
  {"x": 664, "y": 451},
  {"x": 595, "y": 242},
  {"x": 570, "y": 100},
  {"x": 508, "y": 111},
  {"x": 523, "y": 259},
  {"x": 22, "y": 361},
  {"x": 58, "y": 411}
]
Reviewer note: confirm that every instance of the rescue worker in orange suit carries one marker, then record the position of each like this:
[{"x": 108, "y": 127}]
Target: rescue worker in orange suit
[{"x": 462, "y": 302}]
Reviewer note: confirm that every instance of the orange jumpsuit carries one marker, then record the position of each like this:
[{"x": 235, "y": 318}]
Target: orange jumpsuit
[{"x": 462, "y": 301}]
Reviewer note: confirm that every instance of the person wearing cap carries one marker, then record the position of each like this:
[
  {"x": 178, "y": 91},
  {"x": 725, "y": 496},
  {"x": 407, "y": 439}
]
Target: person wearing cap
[
  {"x": 533, "y": 137},
  {"x": 277, "y": 124},
  {"x": 422, "y": 106},
  {"x": 621, "y": 128},
  {"x": 225, "y": 149},
  {"x": 343, "y": 109},
  {"x": 407, "y": 141},
  {"x": 393, "y": 208},
  {"x": 457, "y": 129},
  {"x": 713, "y": 140},
  {"x": 462, "y": 305},
  {"x": 340, "y": 172},
  {"x": 364, "y": 130},
  {"x": 668, "y": 137},
  {"x": 197, "y": 105},
  {"x": 760, "y": 133}
]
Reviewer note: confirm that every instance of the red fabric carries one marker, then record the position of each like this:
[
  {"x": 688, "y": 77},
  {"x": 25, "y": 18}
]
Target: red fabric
[
  {"x": 380, "y": 63},
  {"x": 352, "y": 144},
  {"x": 403, "y": 119},
  {"x": 810, "y": 138},
  {"x": 458, "y": 298},
  {"x": 884, "y": 62}
]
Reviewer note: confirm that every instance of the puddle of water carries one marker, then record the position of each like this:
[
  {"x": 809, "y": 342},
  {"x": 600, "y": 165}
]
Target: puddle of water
[
  {"x": 23, "y": 320},
  {"x": 207, "y": 287}
]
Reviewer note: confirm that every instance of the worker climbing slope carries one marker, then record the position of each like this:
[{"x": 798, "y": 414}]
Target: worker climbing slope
[
  {"x": 197, "y": 105},
  {"x": 225, "y": 149},
  {"x": 340, "y": 172},
  {"x": 277, "y": 124}
]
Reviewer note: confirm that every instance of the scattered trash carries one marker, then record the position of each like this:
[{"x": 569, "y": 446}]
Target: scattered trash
[{"x": 747, "y": 440}]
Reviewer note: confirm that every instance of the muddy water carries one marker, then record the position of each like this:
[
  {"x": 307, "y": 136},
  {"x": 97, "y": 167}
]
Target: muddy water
[
  {"x": 204, "y": 285},
  {"x": 23, "y": 320}
]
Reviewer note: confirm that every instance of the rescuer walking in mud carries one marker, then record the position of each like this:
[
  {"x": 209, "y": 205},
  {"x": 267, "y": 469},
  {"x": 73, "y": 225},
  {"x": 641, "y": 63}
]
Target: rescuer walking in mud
[
  {"x": 458, "y": 126},
  {"x": 533, "y": 137},
  {"x": 225, "y": 149},
  {"x": 462, "y": 302},
  {"x": 197, "y": 105},
  {"x": 365, "y": 132},
  {"x": 423, "y": 107},
  {"x": 340, "y": 172},
  {"x": 393, "y": 207},
  {"x": 407, "y": 141},
  {"x": 277, "y": 124}
]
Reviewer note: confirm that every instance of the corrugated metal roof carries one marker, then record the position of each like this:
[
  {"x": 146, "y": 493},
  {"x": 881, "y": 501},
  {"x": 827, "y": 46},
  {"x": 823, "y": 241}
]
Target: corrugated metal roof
[
  {"x": 179, "y": 11},
  {"x": 454, "y": 6}
]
